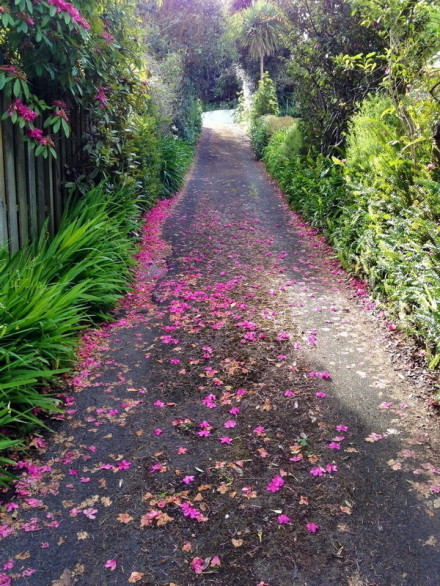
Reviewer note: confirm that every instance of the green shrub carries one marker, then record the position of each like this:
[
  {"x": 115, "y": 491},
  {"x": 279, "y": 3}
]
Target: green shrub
[
  {"x": 265, "y": 99},
  {"x": 52, "y": 289},
  {"x": 176, "y": 156},
  {"x": 380, "y": 207},
  {"x": 143, "y": 155}
]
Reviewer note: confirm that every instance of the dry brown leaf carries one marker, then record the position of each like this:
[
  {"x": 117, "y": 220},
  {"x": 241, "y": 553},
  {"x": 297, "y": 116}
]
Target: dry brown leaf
[
  {"x": 164, "y": 519},
  {"x": 205, "y": 487},
  {"x": 66, "y": 579},
  {"x": 223, "y": 489},
  {"x": 198, "y": 497},
  {"x": 135, "y": 577},
  {"x": 81, "y": 535},
  {"x": 106, "y": 501},
  {"x": 23, "y": 556},
  {"x": 237, "y": 542},
  {"x": 346, "y": 510},
  {"x": 124, "y": 518},
  {"x": 187, "y": 546}
]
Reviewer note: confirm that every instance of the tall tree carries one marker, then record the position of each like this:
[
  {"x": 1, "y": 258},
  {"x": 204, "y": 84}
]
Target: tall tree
[{"x": 259, "y": 31}]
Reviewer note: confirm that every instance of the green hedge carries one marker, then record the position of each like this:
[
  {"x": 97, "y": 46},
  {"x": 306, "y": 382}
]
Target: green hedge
[{"x": 379, "y": 207}]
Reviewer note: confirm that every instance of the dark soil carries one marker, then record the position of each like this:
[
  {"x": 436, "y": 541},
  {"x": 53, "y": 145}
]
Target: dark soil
[{"x": 238, "y": 307}]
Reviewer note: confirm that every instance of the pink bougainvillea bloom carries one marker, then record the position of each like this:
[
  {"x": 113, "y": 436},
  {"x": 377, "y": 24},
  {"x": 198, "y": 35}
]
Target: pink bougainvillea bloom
[
  {"x": 283, "y": 519},
  {"x": 84, "y": 479},
  {"x": 281, "y": 357},
  {"x": 341, "y": 428},
  {"x": 317, "y": 471},
  {"x": 331, "y": 468},
  {"x": 297, "y": 458},
  {"x": 334, "y": 446},
  {"x": 210, "y": 401},
  {"x": 234, "y": 411},
  {"x": 215, "y": 561},
  {"x": 158, "y": 467},
  {"x": 321, "y": 394},
  {"x": 259, "y": 430},
  {"x": 111, "y": 564},
  {"x": 158, "y": 431},
  {"x": 90, "y": 513},
  {"x": 323, "y": 374},
  {"x": 339, "y": 438},
  {"x": 174, "y": 361},
  {"x": 182, "y": 450},
  {"x": 230, "y": 423},
  {"x": 225, "y": 440},
  {"x": 159, "y": 404},
  {"x": 204, "y": 433},
  {"x": 124, "y": 465},
  {"x": 312, "y": 527},
  {"x": 188, "y": 479},
  {"x": 386, "y": 405},
  {"x": 275, "y": 484},
  {"x": 241, "y": 392},
  {"x": 289, "y": 394},
  {"x": 283, "y": 336},
  {"x": 197, "y": 565}
]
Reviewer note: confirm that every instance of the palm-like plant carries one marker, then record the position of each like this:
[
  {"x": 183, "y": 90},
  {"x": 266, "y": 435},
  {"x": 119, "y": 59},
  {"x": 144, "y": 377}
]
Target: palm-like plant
[{"x": 260, "y": 30}]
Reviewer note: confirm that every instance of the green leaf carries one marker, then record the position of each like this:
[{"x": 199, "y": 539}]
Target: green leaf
[
  {"x": 16, "y": 90},
  {"x": 57, "y": 125},
  {"x": 66, "y": 128}
]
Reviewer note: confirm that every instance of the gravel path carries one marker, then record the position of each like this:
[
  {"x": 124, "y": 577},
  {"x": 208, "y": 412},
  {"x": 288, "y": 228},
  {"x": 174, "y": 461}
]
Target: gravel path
[{"x": 241, "y": 421}]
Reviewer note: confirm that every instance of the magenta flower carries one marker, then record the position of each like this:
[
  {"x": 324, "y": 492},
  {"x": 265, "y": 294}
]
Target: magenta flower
[
  {"x": 158, "y": 431},
  {"x": 317, "y": 471},
  {"x": 225, "y": 440},
  {"x": 321, "y": 394},
  {"x": 124, "y": 465},
  {"x": 111, "y": 564},
  {"x": 275, "y": 484},
  {"x": 204, "y": 433},
  {"x": 90, "y": 513},
  {"x": 259, "y": 430},
  {"x": 159, "y": 404},
  {"x": 197, "y": 565},
  {"x": 334, "y": 446},
  {"x": 188, "y": 479},
  {"x": 283, "y": 519},
  {"x": 230, "y": 423},
  {"x": 313, "y": 527},
  {"x": 341, "y": 428},
  {"x": 234, "y": 411}
]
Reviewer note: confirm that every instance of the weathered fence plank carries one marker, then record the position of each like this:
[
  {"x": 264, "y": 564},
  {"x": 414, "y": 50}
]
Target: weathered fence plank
[
  {"x": 32, "y": 191},
  {"x": 3, "y": 208}
]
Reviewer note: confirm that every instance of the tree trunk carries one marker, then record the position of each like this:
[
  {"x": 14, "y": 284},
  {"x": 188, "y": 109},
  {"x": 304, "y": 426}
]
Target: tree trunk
[{"x": 261, "y": 65}]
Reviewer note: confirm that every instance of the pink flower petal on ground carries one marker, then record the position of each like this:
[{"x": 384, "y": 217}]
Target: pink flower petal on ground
[
  {"x": 157, "y": 431},
  {"x": 90, "y": 513},
  {"x": 225, "y": 440},
  {"x": 215, "y": 561},
  {"x": 259, "y": 430},
  {"x": 204, "y": 433},
  {"x": 334, "y": 446},
  {"x": 341, "y": 428},
  {"x": 289, "y": 394},
  {"x": 317, "y": 471},
  {"x": 230, "y": 423},
  {"x": 234, "y": 411},
  {"x": 386, "y": 405},
  {"x": 197, "y": 565},
  {"x": 110, "y": 564},
  {"x": 320, "y": 394},
  {"x": 159, "y": 404},
  {"x": 188, "y": 479},
  {"x": 283, "y": 519},
  {"x": 313, "y": 527},
  {"x": 182, "y": 450},
  {"x": 275, "y": 484}
]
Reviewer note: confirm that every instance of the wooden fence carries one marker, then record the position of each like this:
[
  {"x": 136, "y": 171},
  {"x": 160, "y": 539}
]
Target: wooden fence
[{"x": 32, "y": 188}]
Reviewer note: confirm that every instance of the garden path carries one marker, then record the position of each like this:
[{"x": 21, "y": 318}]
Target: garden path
[{"x": 241, "y": 422}]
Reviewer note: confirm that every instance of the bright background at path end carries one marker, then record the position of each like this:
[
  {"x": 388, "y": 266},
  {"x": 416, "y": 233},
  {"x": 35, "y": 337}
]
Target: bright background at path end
[{"x": 218, "y": 117}]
